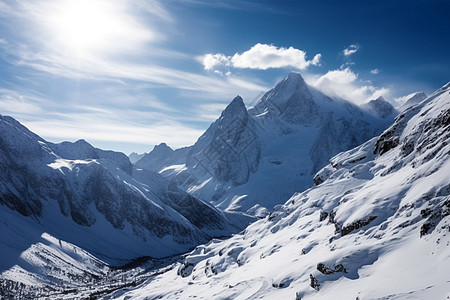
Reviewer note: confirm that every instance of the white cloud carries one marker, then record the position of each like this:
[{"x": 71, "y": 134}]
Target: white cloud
[
  {"x": 344, "y": 83},
  {"x": 352, "y": 49},
  {"x": 261, "y": 57},
  {"x": 211, "y": 61},
  {"x": 375, "y": 71},
  {"x": 340, "y": 76}
]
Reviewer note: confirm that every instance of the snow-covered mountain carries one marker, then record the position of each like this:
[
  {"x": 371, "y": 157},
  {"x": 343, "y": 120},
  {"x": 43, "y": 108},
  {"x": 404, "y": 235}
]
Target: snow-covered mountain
[
  {"x": 376, "y": 226},
  {"x": 252, "y": 159},
  {"x": 162, "y": 156},
  {"x": 381, "y": 108},
  {"x": 91, "y": 200},
  {"x": 412, "y": 99}
]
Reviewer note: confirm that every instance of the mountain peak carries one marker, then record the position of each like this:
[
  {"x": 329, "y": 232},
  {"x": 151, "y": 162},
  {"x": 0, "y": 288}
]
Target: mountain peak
[
  {"x": 292, "y": 80},
  {"x": 161, "y": 147},
  {"x": 82, "y": 142},
  {"x": 237, "y": 101},
  {"x": 295, "y": 76},
  {"x": 380, "y": 107},
  {"x": 236, "y": 108},
  {"x": 290, "y": 100}
]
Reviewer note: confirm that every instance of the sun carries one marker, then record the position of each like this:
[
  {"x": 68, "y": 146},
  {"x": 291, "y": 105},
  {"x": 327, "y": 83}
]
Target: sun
[{"x": 92, "y": 27}]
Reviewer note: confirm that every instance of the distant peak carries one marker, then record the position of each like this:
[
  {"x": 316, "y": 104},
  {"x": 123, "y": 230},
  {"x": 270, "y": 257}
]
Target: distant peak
[
  {"x": 81, "y": 141},
  {"x": 161, "y": 147},
  {"x": 380, "y": 107},
  {"x": 380, "y": 101}
]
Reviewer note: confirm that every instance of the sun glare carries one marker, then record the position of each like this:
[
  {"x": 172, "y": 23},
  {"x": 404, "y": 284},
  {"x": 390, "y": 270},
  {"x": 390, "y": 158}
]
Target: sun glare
[{"x": 86, "y": 27}]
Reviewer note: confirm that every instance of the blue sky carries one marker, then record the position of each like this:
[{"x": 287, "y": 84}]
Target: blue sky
[{"x": 129, "y": 74}]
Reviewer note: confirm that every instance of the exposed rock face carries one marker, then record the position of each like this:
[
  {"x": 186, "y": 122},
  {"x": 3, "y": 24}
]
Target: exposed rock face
[
  {"x": 322, "y": 268},
  {"x": 229, "y": 150},
  {"x": 356, "y": 225}
]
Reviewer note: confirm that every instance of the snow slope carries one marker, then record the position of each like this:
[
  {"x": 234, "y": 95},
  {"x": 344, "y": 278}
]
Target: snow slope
[
  {"x": 93, "y": 200},
  {"x": 376, "y": 226},
  {"x": 251, "y": 160}
]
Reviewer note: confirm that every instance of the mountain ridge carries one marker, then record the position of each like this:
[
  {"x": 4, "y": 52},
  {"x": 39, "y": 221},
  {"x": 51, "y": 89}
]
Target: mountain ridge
[{"x": 293, "y": 126}]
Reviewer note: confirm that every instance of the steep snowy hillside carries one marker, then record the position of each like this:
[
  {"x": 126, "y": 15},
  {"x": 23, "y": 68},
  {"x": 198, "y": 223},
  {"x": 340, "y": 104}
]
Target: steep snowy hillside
[
  {"x": 92, "y": 199},
  {"x": 251, "y": 160},
  {"x": 377, "y": 226}
]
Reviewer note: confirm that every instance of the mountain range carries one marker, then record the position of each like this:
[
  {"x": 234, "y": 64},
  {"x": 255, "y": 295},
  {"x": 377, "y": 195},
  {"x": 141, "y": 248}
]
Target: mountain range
[
  {"x": 96, "y": 202},
  {"x": 341, "y": 190},
  {"x": 375, "y": 226},
  {"x": 250, "y": 160}
]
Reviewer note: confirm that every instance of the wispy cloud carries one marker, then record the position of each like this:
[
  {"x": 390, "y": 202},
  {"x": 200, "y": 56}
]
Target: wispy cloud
[
  {"x": 99, "y": 69},
  {"x": 261, "y": 57},
  {"x": 352, "y": 49},
  {"x": 155, "y": 8},
  {"x": 101, "y": 130},
  {"x": 343, "y": 76},
  {"x": 121, "y": 104},
  {"x": 12, "y": 101},
  {"x": 98, "y": 66},
  {"x": 375, "y": 71},
  {"x": 96, "y": 123}
]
